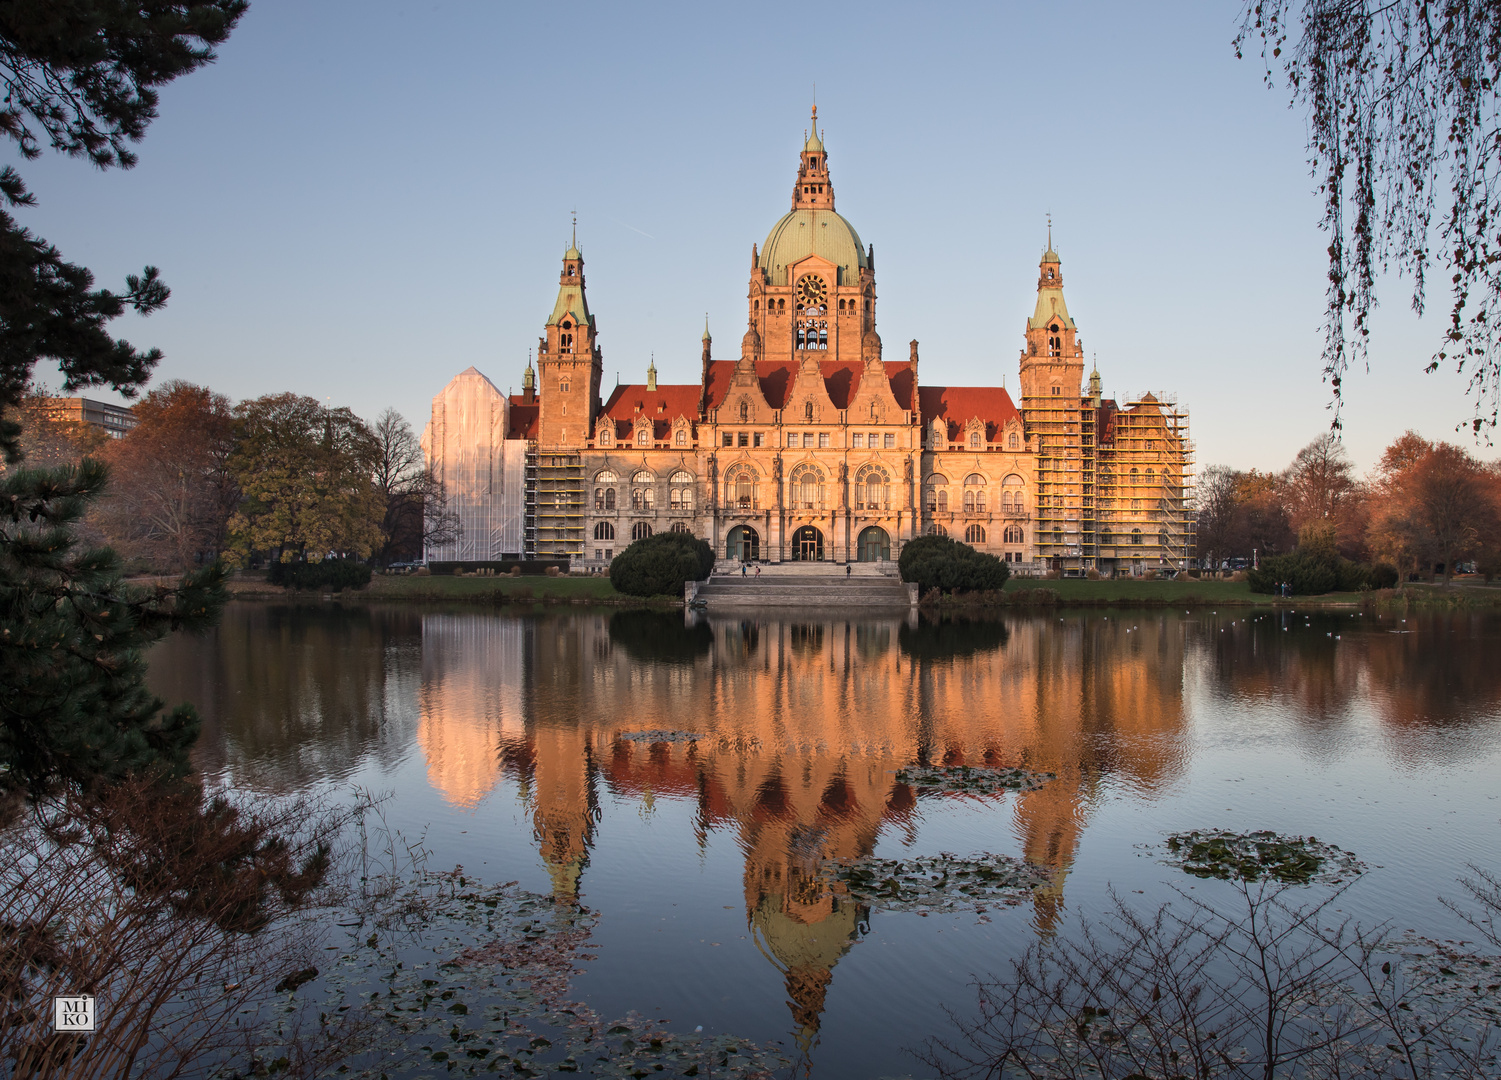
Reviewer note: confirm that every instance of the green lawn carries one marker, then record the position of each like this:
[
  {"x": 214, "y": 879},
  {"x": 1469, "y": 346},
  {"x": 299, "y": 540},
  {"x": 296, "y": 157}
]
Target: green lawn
[
  {"x": 1187, "y": 590},
  {"x": 447, "y": 587}
]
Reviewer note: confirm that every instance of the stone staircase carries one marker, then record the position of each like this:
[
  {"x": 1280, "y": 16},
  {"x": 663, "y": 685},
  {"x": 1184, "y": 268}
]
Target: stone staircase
[{"x": 806, "y": 585}]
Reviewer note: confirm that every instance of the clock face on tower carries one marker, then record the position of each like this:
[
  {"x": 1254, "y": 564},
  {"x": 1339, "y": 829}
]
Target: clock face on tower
[{"x": 811, "y": 291}]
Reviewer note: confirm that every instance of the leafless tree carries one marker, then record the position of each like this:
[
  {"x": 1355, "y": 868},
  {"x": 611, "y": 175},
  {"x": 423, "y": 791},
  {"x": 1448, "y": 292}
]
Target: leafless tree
[
  {"x": 1216, "y": 495},
  {"x": 416, "y": 504},
  {"x": 1404, "y": 139}
]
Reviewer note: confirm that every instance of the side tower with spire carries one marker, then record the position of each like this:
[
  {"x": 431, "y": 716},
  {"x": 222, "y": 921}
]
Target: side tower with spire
[
  {"x": 569, "y": 362},
  {"x": 1054, "y": 413}
]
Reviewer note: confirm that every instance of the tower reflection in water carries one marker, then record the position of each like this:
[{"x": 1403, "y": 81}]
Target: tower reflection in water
[{"x": 804, "y": 725}]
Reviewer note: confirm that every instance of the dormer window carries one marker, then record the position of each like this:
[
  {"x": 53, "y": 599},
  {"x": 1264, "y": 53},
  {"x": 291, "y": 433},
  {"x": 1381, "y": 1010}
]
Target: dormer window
[{"x": 563, "y": 386}]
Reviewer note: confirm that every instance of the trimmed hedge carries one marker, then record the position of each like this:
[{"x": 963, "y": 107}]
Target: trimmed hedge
[
  {"x": 335, "y": 575},
  {"x": 938, "y": 562},
  {"x": 660, "y": 564}
]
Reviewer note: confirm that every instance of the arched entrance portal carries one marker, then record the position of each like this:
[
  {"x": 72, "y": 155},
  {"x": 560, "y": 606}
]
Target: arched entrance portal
[
  {"x": 875, "y": 545},
  {"x": 807, "y": 545},
  {"x": 743, "y": 544}
]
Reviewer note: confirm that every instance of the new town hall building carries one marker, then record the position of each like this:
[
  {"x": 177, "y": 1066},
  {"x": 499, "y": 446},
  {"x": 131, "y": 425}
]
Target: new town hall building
[{"x": 811, "y": 444}]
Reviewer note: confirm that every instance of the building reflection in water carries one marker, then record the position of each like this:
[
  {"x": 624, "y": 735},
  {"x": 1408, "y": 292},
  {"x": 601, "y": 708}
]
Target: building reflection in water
[
  {"x": 805, "y": 725},
  {"x": 805, "y": 721}
]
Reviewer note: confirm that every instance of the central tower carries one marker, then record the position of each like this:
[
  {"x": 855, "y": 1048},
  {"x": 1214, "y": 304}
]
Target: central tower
[{"x": 812, "y": 284}]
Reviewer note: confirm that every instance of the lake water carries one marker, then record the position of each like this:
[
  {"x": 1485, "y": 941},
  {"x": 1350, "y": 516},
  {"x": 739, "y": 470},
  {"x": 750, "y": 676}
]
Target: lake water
[{"x": 499, "y": 736}]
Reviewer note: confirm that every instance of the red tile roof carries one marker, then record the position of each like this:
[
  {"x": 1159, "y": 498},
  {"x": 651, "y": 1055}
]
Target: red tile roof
[
  {"x": 958, "y": 404},
  {"x": 840, "y": 378},
  {"x": 664, "y": 405}
]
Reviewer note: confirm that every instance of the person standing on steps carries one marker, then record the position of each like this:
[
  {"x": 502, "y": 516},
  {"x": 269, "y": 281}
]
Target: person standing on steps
[
  {"x": 846, "y": 569},
  {"x": 742, "y": 569},
  {"x": 758, "y": 571}
]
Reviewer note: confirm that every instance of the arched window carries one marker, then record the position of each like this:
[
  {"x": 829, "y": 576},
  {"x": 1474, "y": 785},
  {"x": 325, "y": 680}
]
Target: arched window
[
  {"x": 1005, "y": 502},
  {"x": 609, "y": 498},
  {"x": 1012, "y": 535},
  {"x": 1136, "y": 536},
  {"x": 934, "y": 495},
  {"x": 872, "y": 489},
  {"x": 1013, "y": 441},
  {"x": 640, "y": 531},
  {"x": 604, "y": 437},
  {"x": 1151, "y": 476},
  {"x": 940, "y": 435},
  {"x": 740, "y": 488},
  {"x": 604, "y": 531},
  {"x": 681, "y": 491},
  {"x": 806, "y": 488},
  {"x": 643, "y": 476},
  {"x": 943, "y": 500},
  {"x": 1133, "y": 474},
  {"x": 680, "y": 437},
  {"x": 974, "y": 493},
  {"x": 607, "y": 477},
  {"x": 680, "y": 526},
  {"x": 975, "y": 534},
  {"x": 937, "y": 530},
  {"x": 643, "y": 437}
]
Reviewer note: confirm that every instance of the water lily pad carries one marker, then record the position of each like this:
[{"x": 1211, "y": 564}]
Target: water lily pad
[
  {"x": 1254, "y": 856},
  {"x": 939, "y": 883},
  {"x": 971, "y": 779}
]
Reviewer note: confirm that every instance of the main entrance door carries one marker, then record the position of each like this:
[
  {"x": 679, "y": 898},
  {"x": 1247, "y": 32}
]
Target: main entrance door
[
  {"x": 875, "y": 545},
  {"x": 807, "y": 545},
  {"x": 743, "y": 544}
]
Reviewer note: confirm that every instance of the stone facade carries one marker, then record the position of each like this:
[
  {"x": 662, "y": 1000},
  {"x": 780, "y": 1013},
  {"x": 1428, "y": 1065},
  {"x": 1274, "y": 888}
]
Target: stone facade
[{"x": 811, "y": 445}]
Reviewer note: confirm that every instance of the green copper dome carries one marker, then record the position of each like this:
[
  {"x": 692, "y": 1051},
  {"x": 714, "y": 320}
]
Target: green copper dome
[{"x": 812, "y": 232}]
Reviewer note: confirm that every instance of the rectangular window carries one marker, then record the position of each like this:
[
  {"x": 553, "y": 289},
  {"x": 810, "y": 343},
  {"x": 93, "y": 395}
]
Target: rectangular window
[
  {"x": 745, "y": 438},
  {"x": 823, "y": 440},
  {"x": 890, "y": 441},
  {"x": 729, "y": 439},
  {"x": 599, "y": 553},
  {"x": 808, "y": 439},
  {"x": 875, "y": 440},
  {"x": 857, "y": 441},
  {"x": 758, "y": 439}
]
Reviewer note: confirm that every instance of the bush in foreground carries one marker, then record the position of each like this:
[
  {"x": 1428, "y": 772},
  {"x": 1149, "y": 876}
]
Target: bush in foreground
[
  {"x": 937, "y": 562},
  {"x": 1314, "y": 567},
  {"x": 335, "y": 575},
  {"x": 660, "y": 564}
]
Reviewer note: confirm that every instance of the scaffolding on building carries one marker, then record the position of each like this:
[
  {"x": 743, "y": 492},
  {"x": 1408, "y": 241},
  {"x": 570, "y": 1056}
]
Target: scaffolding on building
[
  {"x": 554, "y": 504},
  {"x": 1145, "y": 485},
  {"x": 1114, "y": 483}
]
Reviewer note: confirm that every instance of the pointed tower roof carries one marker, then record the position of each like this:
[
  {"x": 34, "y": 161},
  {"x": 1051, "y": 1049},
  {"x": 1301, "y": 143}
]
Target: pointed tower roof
[
  {"x": 573, "y": 247},
  {"x": 706, "y": 336},
  {"x": 1050, "y": 305},
  {"x": 813, "y": 143}
]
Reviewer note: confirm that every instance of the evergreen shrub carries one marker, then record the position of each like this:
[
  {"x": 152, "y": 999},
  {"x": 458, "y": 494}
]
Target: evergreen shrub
[
  {"x": 940, "y": 562},
  {"x": 660, "y": 564},
  {"x": 333, "y": 575}
]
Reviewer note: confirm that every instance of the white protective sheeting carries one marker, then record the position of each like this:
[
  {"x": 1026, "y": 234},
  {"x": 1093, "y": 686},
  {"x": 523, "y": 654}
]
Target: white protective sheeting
[{"x": 482, "y": 472}]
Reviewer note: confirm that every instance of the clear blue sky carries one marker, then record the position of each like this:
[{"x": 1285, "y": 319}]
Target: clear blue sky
[{"x": 359, "y": 200}]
